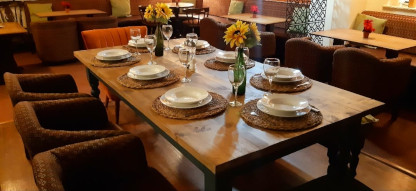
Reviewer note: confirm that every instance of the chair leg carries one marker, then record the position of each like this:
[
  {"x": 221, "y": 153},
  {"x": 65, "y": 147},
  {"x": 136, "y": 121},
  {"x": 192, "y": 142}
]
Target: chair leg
[{"x": 117, "y": 110}]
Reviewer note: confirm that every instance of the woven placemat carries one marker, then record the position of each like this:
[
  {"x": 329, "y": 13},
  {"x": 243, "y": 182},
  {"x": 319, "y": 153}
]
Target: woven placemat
[
  {"x": 207, "y": 50},
  {"x": 212, "y": 63},
  {"x": 108, "y": 64},
  {"x": 256, "y": 118},
  {"x": 133, "y": 49},
  {"x": 216, "y": 106},
  {"x": 147, "y": 84},
  {"x": 259, "y": 82}
]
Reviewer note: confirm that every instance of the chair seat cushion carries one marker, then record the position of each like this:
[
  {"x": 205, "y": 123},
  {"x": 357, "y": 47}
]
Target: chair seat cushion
[
  {"x": 38, "y": 8},
  {"x": 120, "y": 8}
]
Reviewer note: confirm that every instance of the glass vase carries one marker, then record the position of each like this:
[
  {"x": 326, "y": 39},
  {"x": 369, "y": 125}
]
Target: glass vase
[
  {"x": 159, "y": 41},
  {"x": 240, "y": 61}
]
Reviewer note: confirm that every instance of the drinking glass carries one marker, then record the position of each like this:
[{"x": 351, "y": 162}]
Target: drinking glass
[
  {"x": 271, "y": 68},
  {"x": 185, "y": 58},
  {"x": 167, "y": 32},
  {"x": 150, "y": 41},
  {"x": 190, "y": 43},
  {"x": 236, "y": 75},
  {"x": 246, "y": 52},
  {"x": 136, "y": 36}
]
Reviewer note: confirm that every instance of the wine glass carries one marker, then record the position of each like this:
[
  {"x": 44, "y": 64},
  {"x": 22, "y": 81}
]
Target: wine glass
[
  {"x": 190, "y": 43},
  {"x": 136, "y": 36},
  {"x": 185, "y": 58},
  {"x": 167, "y": 32},
  {"x": 246, "y": 52},
  {"x": 236, "y": 75},
  {"x": 271, "y": 68},
  {"x": 150, "y": 41}
]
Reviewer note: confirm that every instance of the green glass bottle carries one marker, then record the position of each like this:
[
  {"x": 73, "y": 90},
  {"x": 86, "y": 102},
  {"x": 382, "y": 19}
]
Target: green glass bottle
[
  {"x": 240, "y": 61},
  {"x": 159, "y": 41}
]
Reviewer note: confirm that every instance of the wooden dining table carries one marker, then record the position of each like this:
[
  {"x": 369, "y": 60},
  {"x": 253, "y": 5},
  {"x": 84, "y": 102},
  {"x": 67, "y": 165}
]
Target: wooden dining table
[
  {"x": 267, "y": 21},
  {"x": 83, "y": 12},
  {"x": 392, "y": 44},
  {"x": 224, "y": 146},
  {"x": 7, "y": 31}
]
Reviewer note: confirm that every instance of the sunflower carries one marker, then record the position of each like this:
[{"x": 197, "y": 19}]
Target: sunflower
[
  {"x": 148, "y": 13},
  {"x": 236, "y": 33},
  {"x": 255, "y": 31},
  {"x": 163, "y": 12}
]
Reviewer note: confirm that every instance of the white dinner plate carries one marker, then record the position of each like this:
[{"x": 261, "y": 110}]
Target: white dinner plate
[
  {"x": 147, "y": 70},
  {"x": 113, "y": 54},
  {"x": 160, "y": 75},
  {"x": 186, "y": 95},
  {"x": 287, "y": 75},
  {"x": 185, "y": 106},
  {"x": 140, "y": 43},
  {"x": 283, "y": 105},
  {"x": 201, "y": 44},
  {"x": 226, "y": 56}
]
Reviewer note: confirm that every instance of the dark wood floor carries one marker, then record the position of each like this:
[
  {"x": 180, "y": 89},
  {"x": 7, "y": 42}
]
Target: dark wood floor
[{"x": 394, "y": 143}]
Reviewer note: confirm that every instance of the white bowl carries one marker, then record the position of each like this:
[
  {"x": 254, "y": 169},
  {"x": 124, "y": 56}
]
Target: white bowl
[
  {"x": 186, "y": 95},
  {"x": 287, "y": 75},
  {"x": 140, "y": 43},
  {"x": 185, "y": 106},
  {"x": 283, "y": 105},
  {"x": 113, "y": 54},
  {"x": 226, "y": 56},
  {"x": 201, "y": 44},
  {"x": 137, "y": 77},
  {"x": 147, "y": 70}
]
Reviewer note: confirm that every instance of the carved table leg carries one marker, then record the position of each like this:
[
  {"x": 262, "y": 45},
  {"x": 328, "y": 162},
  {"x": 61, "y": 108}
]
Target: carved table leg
[{"x": 93, "y": 83}]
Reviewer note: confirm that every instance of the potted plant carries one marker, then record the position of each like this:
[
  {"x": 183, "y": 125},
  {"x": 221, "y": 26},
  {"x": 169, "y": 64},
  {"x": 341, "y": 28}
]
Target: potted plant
[
  {"x": 160, "y": 14},
  {"x": 368, "y": 28},
  {"x": 254, "y": 9},
  {"x": 66, "y": 5}
]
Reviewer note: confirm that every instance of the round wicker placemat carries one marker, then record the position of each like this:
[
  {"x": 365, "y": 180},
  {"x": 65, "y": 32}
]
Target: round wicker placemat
[
  {"x": 147, "y": 84},
  {"x": 256, "y": 118},
  {"x": 259, "y": 82},
  {"x": 133, "y": 49},
  {"x": 109, "y": 64},
  {"x": 216, "y": 106},
  {"x": 207, "y": 50},
  {"x": 212, "y": 63}
]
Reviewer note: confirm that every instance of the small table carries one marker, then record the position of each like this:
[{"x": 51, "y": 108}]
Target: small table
[
  {"x": 8, "y": 63},
  {"x": 392, "y": 44},
  {"x": 268, "y": 21},
  {"x": 87, "y": 12}
]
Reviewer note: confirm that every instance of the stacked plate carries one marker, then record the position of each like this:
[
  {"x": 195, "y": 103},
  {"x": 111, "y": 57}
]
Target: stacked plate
[
  {"x": 226, "y": 57},
  {"x": 186, "y": 97},
  {"x": 113, "y": 55},
  {"x": 140, "y": 43},
  {"x": 287, "y": 75},
  {"x": 200, "y": 44},
  {"x": 283, "y": 105},
  {"x": 148, "y": 72}
]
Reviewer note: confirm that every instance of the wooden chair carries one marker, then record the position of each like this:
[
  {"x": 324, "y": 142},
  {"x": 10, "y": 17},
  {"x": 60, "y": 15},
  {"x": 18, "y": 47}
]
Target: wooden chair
[
  {"x": 100, "y": 38},
  {"x": 193, "y": 18},
  {"x": 114, "y": 163},
  {"x": 314, "y": 60},
  {"x": 385, "y": 80}
]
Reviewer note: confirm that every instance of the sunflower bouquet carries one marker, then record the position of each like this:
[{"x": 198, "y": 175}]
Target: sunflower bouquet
[
  {"x": 160, "y": 13},
  {"x": 242, "y": 34}
]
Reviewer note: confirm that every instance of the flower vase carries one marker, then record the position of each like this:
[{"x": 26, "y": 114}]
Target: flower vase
[
  {"x": 240, "y": 61},
  {"x": 67, "y": 10},
  {"x": 365, "y": 34},
  {"x": 177, "y": 3},
  {"x": 254, "y": 15},
  {"x": 159, "y": 41}
]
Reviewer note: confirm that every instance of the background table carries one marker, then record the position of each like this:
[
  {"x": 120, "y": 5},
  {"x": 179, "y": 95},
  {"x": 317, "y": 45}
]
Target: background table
[
  {"x": 268, "y": 21},
  {"x": 8, "y": 63},
  {"x": 86, "y": 12},
  {"x": 392, "y": 44},
  {"x": 224, "y": 146}
]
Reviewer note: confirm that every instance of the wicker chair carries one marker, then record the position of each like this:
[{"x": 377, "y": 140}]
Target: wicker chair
[
  {"x": 45, "y": 125},
  {"x": 382, "y": 79},
  {"x": 36, "y": 87},
  {"x": 314, "y": 60},
  {"x": 100, "y": 38},
  {"x": 114, "y": 163}
]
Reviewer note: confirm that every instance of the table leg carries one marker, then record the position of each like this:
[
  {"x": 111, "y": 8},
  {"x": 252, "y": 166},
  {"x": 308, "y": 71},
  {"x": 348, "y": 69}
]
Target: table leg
[
  {"x": 392, "y": 53},
  {"x": 7, "y": 64},
  {"x": 215, "y": 183},
  {"x": 338, "y": 42},
  {"x": 270, "y": 28},
  {"x": 93, "y": 83}
]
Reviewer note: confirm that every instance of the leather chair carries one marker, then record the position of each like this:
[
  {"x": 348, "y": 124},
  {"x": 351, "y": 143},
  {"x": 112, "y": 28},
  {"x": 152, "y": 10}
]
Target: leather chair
[
  {"x": 193, "y": 18},
  {"x": 55, "y": 41},
  {"x": 36, "y": 87},
  {"x": 100, "y": 38},
  {"x": 267, "y": 48},
  {"x": 358, "y": 71},
  {"x": 314, "y": 60},
  {"x": 213, "y": 32},
  {"x": 115, "y": 163},
  {"x": 44, "y": 125},
  {"x": 90, "y": 23}
]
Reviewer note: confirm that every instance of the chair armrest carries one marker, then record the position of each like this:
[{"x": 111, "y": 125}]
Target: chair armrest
[
  {"x": 47, "y": 172},
  {"x": 47, "y": 83}
]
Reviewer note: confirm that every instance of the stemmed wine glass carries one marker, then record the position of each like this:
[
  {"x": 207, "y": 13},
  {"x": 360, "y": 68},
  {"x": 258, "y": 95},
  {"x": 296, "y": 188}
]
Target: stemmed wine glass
[
  {"x": 236, "y": 75},
  {"x": 185, "y": 58},
  {"x": 150, "y": 41},
  {"x": 167, "y": 32},
  {"x": 190, "y": 43},
  {"x": 271, "y": 68},
  {"x": 136, "y": 36}
]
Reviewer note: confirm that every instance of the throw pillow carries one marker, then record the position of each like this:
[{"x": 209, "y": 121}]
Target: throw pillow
[
  {"x": 299, "y": 23},
  {"x": 188, "y": 1},
  {"x": 378, "y": 24},
  {"x": 38, "y": 8},
  {"x": 120, "y": 8},
  {"x": 236, "y": 7}
]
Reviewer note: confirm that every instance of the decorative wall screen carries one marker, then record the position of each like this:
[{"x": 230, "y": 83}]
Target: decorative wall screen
[{"x": 304, "y": 17}]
